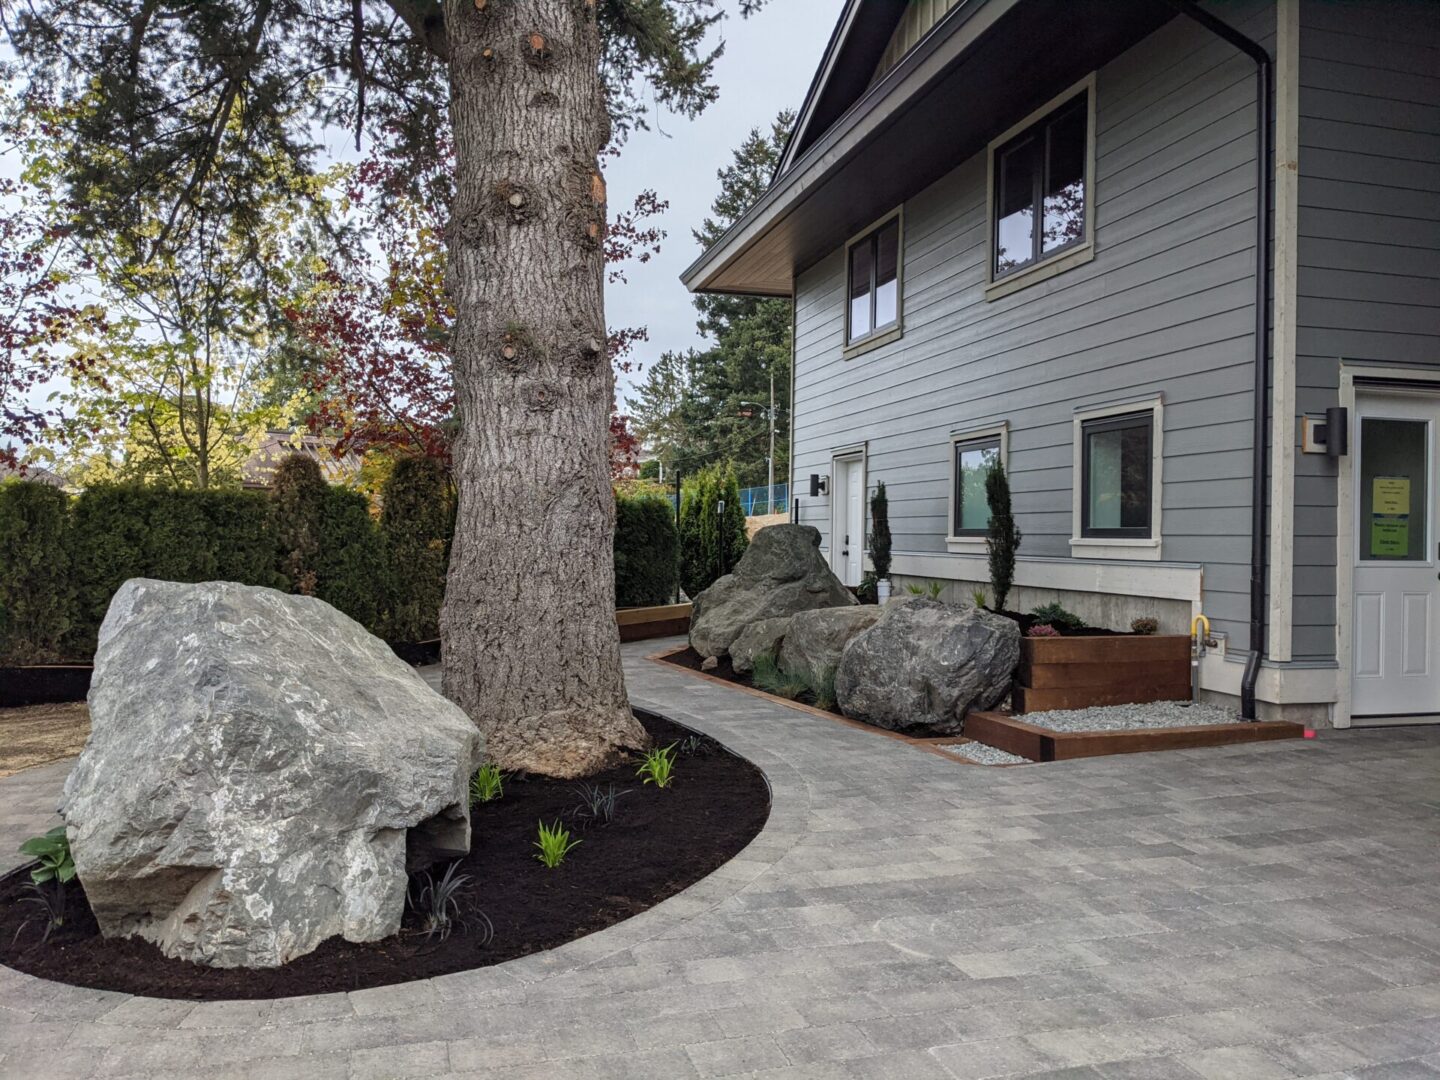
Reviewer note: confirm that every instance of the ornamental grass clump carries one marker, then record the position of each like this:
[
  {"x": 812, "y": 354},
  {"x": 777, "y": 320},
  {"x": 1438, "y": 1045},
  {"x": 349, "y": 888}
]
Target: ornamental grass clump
[
  {"x": 438, "y": 905},
  {"x": 769, "y": 676},
  {"x": 658, "y": 768},
  {"x": 487, "y": 785},
  {"x": 554, "y": 845},
  {"x": 597, "y": 804}
]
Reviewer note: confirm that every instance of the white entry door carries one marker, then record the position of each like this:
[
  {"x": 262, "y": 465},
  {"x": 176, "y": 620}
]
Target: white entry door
[
  {"x": 847, "y": 548},
  {"x": 1396, "y": 654}
]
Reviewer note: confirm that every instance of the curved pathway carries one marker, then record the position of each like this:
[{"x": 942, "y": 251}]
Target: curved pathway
[{"x": 1249, "y": 912}]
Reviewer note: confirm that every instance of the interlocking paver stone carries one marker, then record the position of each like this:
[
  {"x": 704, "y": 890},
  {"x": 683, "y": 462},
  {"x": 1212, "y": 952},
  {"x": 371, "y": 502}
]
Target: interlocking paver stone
[{"x": 1239, "y": 912}]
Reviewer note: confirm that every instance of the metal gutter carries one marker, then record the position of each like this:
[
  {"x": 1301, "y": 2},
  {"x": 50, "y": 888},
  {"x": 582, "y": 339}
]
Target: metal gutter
[{"x": 1264, "y": 103}]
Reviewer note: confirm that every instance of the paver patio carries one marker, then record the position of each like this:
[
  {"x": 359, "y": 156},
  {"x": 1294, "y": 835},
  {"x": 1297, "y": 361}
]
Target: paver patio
[{"x": 1248, "y": 912}]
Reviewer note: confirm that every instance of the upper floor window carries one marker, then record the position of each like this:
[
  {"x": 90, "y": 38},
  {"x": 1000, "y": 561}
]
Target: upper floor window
[
  {"x": 874, "y": 283},
  {"x": 1041, "y": 202}
]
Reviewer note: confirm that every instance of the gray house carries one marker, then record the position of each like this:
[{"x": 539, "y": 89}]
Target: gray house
[{"x": 1178, "y": 267}]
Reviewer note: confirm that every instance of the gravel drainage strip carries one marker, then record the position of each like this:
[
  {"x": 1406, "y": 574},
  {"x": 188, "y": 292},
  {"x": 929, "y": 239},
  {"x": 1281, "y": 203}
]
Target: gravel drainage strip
[
  {"x": 981, "y": 754},
  {"x": 1156, "y": 714}
]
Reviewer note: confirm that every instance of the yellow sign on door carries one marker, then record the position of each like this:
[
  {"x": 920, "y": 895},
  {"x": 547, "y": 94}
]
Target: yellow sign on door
[{"x": 1391, "y": 496}]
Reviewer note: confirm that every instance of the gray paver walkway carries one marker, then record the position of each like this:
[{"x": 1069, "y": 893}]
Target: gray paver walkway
[{"x": 1249, "y": 912}]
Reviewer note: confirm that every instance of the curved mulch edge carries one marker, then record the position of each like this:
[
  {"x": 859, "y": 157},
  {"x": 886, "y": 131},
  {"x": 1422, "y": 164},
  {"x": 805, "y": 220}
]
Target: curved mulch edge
[{"x": 781, "y": 830}]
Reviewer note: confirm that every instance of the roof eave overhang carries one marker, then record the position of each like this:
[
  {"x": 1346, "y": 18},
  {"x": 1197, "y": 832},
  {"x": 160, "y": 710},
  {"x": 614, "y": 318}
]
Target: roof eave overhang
[{"x": 960, "y": 29}]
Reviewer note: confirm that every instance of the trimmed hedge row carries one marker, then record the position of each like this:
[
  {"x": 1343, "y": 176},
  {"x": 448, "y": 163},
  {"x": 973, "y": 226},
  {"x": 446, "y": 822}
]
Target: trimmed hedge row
[{"x": 62, "y": 558}]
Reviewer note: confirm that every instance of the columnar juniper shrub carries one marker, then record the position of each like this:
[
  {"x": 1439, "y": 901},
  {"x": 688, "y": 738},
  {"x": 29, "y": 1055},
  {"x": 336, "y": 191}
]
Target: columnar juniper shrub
[
  {"x": 1003, "y": 537},
  {"x": 880, "y": 542},
  {"x": 36, "y": 590},
  {"x": 710, "y": 543},
  {"x": 647, "y": 550},
  {"x": 417, "y": 524}
]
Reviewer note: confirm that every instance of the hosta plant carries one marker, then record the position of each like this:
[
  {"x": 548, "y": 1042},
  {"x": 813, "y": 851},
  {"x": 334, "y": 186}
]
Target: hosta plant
[{"x": 52, "y": 851}]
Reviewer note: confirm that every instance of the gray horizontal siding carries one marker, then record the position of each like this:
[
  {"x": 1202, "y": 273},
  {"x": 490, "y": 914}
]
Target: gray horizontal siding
[
  {"x": 1166, "y": 306},
  {"x": 1369, "y": 239}
]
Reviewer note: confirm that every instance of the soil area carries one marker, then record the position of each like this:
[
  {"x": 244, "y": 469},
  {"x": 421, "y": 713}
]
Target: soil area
[
  {"x": 660, "y": 842},
  {"x": 38, "y": 734}
]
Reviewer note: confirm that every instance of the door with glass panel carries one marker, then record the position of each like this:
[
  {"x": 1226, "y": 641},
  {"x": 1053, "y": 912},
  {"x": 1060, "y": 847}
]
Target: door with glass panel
[
  {"x": 1394, "y": 653},
  {"x": 847, "y": 549}
]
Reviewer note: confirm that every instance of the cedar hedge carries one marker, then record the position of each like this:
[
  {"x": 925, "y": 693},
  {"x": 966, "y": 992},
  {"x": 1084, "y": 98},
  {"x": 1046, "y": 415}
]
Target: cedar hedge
[{"x": 62, "y": 557}]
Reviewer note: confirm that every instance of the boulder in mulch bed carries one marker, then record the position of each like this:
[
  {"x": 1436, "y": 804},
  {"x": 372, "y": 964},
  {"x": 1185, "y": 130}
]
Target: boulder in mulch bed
[
  {"x": 261, "y": 773},
  {"x": 781, "y": 572},
  {"x": 817, "y": 638},
  {"x": 925, "y": 664},
  {"x": 758, "y": 639}
]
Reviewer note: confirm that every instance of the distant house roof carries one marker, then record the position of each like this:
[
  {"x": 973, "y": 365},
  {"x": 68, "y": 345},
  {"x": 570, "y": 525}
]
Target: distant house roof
[
  {"x": 36, "y": 473},
  {"x": 259, "y": 469}
]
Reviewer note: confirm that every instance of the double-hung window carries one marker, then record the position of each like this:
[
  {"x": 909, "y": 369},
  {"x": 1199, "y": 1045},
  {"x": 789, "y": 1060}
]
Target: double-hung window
[
  {"x": 874, "y": 284},
  {"x": 1117, "y": 478},
  {"x": 1040, "y": 188}
]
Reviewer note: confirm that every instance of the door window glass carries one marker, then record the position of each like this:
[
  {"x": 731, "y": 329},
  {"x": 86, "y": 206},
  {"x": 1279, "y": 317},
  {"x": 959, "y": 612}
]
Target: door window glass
[{"x": 1394, "y": 489}]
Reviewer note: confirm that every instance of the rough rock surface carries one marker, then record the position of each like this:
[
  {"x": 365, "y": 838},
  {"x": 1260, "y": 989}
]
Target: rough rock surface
[
  {"x": 259, "y": 774},
  {"x": 817, "y": 638},
  {"x": 781, "y": 572},
  {"x": 927, "y": 663},
  {"x": 757, "y": 639}
]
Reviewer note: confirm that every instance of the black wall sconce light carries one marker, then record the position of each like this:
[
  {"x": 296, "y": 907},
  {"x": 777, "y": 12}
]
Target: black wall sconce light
[
  {"x": 1328, "y": 434},
  {"x": 818, "y": 485}
]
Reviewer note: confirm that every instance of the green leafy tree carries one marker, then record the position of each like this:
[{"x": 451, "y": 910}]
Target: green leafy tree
[
  {"x": 416, "y": 524},
  {"x": 532, "y": 92},
  {"x": 714, "y": 405},
  {"x": 36, "y": 589},
  {"x": 1002, "y": 540},
  {"x": 711, "y": 540}
]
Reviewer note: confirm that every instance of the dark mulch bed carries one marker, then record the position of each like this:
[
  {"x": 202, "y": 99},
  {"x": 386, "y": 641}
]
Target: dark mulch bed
[
  {"x": 1027, "y": 621},
  {"x": 659, "y": 843}
]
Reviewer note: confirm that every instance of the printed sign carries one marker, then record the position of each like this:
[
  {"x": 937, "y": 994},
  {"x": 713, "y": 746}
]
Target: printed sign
[
  {"x": 1391, "y": 496},
  {"x": 1389, "y": 536}
]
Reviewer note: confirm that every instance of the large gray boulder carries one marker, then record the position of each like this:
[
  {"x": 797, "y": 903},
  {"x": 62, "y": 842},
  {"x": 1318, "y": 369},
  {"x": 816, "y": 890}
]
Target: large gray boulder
[
  {"x": 258, "y": 770},
  {"x": 925, "y": 663},
  {"x": 816, "y": 638},
  {"x": 781, "y": 572},
  {"x": 759, "y": 638}
]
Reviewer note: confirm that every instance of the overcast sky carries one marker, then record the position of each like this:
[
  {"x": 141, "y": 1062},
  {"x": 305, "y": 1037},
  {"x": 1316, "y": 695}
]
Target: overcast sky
[{"x": 768, "y": 62}]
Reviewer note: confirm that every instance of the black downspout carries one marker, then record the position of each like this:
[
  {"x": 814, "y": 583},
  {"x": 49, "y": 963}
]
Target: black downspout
[{"x": 1264, "y": 95}]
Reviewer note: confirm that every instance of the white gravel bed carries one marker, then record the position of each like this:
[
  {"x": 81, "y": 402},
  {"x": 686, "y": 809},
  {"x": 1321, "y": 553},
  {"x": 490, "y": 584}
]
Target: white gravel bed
[
  {"x": 1157, "y": 714},
  {"x": 982, "y": 754}
]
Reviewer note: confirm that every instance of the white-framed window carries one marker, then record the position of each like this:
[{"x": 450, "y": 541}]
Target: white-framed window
[
  {"x": 874, "y": 280},
  {"x": 1118, "y": 480},
  {"x": 1040, "y": 186},
  {"x": 972, "y": 452}
]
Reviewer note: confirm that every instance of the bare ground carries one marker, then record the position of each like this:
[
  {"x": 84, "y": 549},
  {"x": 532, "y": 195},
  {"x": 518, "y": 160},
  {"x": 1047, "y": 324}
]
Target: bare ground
[{"x": 37, "y": 734}]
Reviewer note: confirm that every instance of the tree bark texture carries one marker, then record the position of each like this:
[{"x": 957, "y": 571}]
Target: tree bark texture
[{"x": 531, "y": 649}]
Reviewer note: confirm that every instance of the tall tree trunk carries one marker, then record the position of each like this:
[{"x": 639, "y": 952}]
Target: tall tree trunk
[{"x": 531, "y": 649}]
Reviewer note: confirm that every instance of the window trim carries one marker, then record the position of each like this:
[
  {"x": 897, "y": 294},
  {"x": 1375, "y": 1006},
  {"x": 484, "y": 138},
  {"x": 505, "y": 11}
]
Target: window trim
[
  {"x": 891, "y": 331},
  {"x": 969, "y": 543},
  {"x": 1118, "y": 546},
  {"x": 1071, "y": 255}
]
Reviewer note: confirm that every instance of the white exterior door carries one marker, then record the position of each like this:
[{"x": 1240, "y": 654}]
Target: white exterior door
[
  {"x": 1396, "y": 654},
  {"x": 847, "y": 548}
]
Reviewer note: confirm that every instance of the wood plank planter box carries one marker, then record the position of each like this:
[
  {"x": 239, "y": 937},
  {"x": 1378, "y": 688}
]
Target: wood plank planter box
[
  {"x": 1043, "y": 744},
  {"x": 1078, "y": 672},
  {"x": 642, "y": 623}
]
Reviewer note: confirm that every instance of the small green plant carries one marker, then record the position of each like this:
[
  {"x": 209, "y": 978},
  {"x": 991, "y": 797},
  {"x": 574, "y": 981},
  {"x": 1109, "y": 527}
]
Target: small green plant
[
  {"x": 597, "y": 803},
  {"x": 53, "y": 852},
  {"x": 1145, "y": 625},
  {"x": 692, "y": 745},
  {"x": 50, "y": 899},
  {"x": 1052, "y": 614},
  {"x": 438, "y": 907},
  {"x": 769, "y": 676},
  {"x": 822, "y": 687},
  {"x": 979, "y": 599},
  {"x": 658, "y": 768},
  {"x": 868, "y": 591},
  {"x": 554, "y": 845},
  {"x": 930, "y": 590},
  {"x": 487, "y": 785}
]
